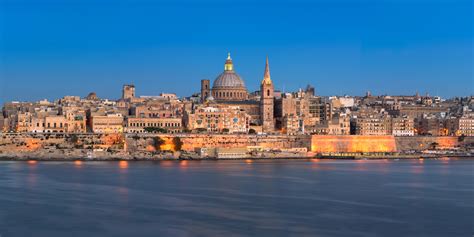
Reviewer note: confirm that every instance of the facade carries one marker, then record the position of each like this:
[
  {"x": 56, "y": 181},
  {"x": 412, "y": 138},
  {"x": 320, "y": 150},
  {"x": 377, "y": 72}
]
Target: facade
[
  {"x": 58, "y": 124},
  {"x": 217, "y": 119},
  {"x": 110, "y": 123},
  {"x": 291, "y": 124},
  {"x": 403, "y": 126},
  {"x": 338, "y": 125},
  {"x": 138, "y": 125},
  {"x": 372, "y": 124},
  {"x": 466, "y": 125}
]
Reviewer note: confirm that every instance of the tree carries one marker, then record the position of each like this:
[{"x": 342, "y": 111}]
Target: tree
[
  {"x": 461, "y": 138},
  {"x": 155, "y": 130},
  {"x": 252, "y": 131},
  {"x": 434, "y": 145},
  {"x": 178, "y": 144},
  {"x": 157, "y": 142},
  {"x": 73, "y": 139},
  {"x": 225, "y": 130}
]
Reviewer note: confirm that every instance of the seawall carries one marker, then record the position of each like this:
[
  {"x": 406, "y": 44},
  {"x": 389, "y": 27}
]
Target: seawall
[{"x": 165, "y": 145}]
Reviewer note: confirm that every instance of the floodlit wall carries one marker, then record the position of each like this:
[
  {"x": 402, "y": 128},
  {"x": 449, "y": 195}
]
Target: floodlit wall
[{"x": 324, "y": 143}]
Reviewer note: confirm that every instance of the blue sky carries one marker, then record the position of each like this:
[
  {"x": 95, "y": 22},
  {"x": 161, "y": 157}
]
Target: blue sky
[{"x": 51, "y": 48}]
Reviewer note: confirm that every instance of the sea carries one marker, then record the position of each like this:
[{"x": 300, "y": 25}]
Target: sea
[{"x": 307, "y": 197}]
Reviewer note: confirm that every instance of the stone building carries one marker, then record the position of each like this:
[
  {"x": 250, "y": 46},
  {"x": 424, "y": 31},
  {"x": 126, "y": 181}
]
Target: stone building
[
  {"x": 461, "y": 126},
  {"x": 466, "y": 125},
  {"x": 217, "y": 119},
  {"x": 58, "y": 124},
  {"x": 337, "y": 125},
  {"x": 403, "y": 126},
  {"x": 371, "y": 122},
  {"x": 205, "y": 90},
  {"x": 128, "y": 92},
  {"x": 110, "y": 123},
  {"x": 431, "y": 125},
  {"x": 138, "y": 125}
]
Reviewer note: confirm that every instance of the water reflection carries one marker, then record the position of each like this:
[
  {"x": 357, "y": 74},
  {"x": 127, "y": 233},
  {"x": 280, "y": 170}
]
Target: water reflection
[
  {"x": 78, "y": 163},
  {"x": 123, "y": 164},
  {"x": 418, "y": 167},
  {"x": 32, "y": 162},
  {"x": 166, "y": 163},
  {"x": 183, "y": 164}
]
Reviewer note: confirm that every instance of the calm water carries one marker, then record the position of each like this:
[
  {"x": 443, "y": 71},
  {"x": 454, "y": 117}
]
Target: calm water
[{"x": 238, "y": 198}]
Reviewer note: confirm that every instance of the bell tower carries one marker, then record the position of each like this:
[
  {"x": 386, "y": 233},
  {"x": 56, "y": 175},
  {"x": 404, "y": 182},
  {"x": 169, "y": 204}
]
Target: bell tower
[
  {"x": 205, "y": 89},
  {"x": 266, "y": 101}
]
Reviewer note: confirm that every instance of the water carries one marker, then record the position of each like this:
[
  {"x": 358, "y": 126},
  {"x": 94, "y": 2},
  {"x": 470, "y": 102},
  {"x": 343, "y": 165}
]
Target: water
[{"x": 238, "y": 198}]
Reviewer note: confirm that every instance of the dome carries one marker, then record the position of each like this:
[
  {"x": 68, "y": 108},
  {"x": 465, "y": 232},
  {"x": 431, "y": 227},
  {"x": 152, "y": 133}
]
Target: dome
[
  {"x": 228, "y": 86},
  {"x": 228, "y": 79}
]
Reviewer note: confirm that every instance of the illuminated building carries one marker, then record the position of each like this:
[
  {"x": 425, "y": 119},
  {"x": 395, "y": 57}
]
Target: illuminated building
[{"x": 217, "y": 119}]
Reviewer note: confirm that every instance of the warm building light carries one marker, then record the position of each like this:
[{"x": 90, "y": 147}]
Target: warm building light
[{"x": 353, "y": 144}]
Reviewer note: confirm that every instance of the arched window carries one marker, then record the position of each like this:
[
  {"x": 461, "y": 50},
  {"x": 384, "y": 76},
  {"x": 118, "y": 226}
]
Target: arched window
[{"x": 268, "y": 92}]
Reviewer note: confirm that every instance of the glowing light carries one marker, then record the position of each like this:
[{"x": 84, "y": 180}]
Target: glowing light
[
  {"x": 315, "y": 160},
  {"x": 166, "y": 163},
  {"x": 248, "y": 161},
  {"x": 78, "y": 163},
  {"x": 32, "y": 162},
  {"x": 183, "y": 163},
  {"x": 123, "y": 164},
  {"x": 353, "y": 143}
]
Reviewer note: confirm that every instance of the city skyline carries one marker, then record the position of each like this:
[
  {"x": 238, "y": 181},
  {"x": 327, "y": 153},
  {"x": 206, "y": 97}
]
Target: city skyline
[{"x": 76, "y": 47}]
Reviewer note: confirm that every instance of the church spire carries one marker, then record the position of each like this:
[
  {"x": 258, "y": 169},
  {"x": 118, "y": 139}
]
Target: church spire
[{"x": 266, "y": 75}]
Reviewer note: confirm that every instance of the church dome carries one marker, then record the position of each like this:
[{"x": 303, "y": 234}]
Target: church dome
[
  {"x": 228, "y": 79},
  {"x": 228, "y": 85}
]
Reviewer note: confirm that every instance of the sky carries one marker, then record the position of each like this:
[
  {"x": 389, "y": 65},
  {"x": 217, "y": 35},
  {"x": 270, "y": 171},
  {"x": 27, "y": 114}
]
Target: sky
[{"x": 52, "y": 48}]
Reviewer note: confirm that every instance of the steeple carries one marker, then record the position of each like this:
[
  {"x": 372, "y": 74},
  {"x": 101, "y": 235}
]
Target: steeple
[
  {"x": 266, "y": 101},
  {"x": 266, "y": 75},
  {"x": 228, "y": 66}
]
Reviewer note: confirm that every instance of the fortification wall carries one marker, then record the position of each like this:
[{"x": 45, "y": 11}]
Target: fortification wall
[
  {"x": 192, "y": 141},
  {"x": 420, "y": 143},
  {"x": 349, "y": 143},
  {"x": 355, "y": 143}
]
